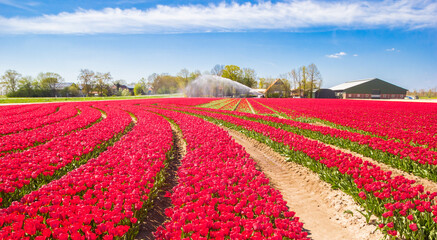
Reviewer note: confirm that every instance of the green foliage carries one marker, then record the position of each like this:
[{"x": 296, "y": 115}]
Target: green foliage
[
  {"x": 125, "y": 92},
  {"x": 10, "y": 80},
  {"x": 138, "y": 89},
  {"x": 244, "y": 76}
]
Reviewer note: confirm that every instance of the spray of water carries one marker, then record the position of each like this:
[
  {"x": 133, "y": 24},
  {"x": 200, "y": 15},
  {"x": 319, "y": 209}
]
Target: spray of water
[{"x": 215, "y": 86}]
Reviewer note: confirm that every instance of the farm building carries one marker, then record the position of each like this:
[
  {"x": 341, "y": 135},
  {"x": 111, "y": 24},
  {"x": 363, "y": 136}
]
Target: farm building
[
  {"x": 323, "y": 93},
  {"x": 278, "y": 89},
  {"x": 369, "y": 88}
]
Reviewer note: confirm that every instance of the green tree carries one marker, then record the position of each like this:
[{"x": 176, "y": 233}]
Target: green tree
[
  {"x": 165, "y": 84},
  {"x": 245, "y": 76},
  {"x": 138, "y": 89},
  {"x": 125, "y": 92},
  {"x": 10, "y": 80},
  {"x": 49, "y": 82},
  {"x": 73, "y": 90},
  {"x": 233, "y": 72}
]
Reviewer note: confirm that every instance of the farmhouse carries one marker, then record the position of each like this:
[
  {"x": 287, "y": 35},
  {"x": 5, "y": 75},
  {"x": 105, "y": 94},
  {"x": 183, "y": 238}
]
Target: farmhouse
[
  {"x": 278, "y": 89},
  {"x": 369, "y": 88}
]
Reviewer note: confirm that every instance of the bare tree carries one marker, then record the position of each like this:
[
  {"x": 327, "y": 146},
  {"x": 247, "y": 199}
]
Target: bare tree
[
  {"x": 10, "y": 80},
  {"x": 217, "y": 70},
  {"x": 249, "y": 77},
  {"x": 296, "y": 78},
  {"x": 86, "y": 79},
  {"x": 101, "y": 82},
  {"x": 184, "y": 77},
  {"x": 314, "y": 77}
]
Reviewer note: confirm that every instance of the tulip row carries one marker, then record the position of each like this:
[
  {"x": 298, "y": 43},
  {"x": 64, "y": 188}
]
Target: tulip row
[
  {"x": 244, "y": 106},
  {"x": 10, "y": 110},
  {"x": 26, "y": 112},
  {"x": 220, "y": 194},
  {"x": 26, "y": 123},
  {"x": 417, "y": 160},
  {"x": 410, "y": 122},
  {"x": 259, "y": 108},
  {"x": 23, "y": 172},
  {"x": 231, "y": 105},
  {"x": 216, "y": 103},
  {"x": 393, "y": 199},
  {"x": 41, "y": 112},
  {"x": 103, "y": 198},
  {"x": 72, "y": 119}
]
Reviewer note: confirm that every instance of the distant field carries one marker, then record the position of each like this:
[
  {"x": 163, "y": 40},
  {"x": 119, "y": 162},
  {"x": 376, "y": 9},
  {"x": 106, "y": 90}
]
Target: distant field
[{"x": 79, "y": 99}]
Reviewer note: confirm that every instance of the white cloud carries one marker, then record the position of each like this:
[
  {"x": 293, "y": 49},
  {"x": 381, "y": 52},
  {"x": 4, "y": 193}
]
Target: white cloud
[
  {"x": 14, "y": 4},
  {"x": 355, "y": 55},
  {"x": 293, "y": 15},
  {"x": 337, "y": 55},
  {"x": 392, "y": 50}
]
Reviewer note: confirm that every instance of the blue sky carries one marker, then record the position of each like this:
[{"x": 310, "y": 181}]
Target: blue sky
[{"x": 392, "y": 40}]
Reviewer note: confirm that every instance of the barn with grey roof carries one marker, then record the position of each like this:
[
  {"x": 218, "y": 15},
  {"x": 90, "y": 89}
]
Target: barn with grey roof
[{"x": 369, "y": 88}]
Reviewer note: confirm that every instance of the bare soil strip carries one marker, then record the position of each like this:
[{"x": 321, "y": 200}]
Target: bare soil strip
[
  {"x": 326, "y": 213},
  {"x": 156, "y": 216}
]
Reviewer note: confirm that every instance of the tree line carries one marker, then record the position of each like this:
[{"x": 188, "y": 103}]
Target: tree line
[{"x": 303, "y": 80}]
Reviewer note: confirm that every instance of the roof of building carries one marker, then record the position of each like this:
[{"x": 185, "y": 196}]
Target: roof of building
[
  {"x": 63, "y": 85},
  {"x": 350, "y": 84},
  {"x": 273, "y": 83}
]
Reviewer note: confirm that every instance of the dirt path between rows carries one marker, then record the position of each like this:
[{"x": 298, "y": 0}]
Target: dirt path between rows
[
  {"x": 156, "y": 216},
  {"x": 319, "y": 207}
]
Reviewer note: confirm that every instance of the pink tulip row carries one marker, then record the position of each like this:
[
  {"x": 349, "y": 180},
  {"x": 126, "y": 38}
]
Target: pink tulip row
[
  {"x": 103, "y": 198},
  {"x": 259, "y": 108},
  {"x": 30, "y": 122},
  {"x": 71, "y": 121},
  {"x": 392, "y": 198},
  {"x": 410, "y": 122},
  {"x": 29, "y": 168},
  {"x": 243, "y": 106},
  {"x": 41, "y": 112},
  {"x": 7, "y": 111},
  {"x": 220, "y": 194}
]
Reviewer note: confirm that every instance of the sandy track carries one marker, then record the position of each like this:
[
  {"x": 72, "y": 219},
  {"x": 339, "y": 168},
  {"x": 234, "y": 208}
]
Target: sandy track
[
  {"x": 156, "y": 216},
  {"x": 320, "y": 208}
]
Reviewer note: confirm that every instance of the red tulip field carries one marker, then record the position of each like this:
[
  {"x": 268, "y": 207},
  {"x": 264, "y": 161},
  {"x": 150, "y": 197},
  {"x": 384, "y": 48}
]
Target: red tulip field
[{"x": 243, "y": 169}]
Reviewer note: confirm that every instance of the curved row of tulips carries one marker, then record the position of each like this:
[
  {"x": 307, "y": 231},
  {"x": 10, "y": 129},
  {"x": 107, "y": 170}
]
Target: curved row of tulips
[
  {"x": 417, "y": 160},
  {"x": 220, "y": 194},
  {"x": 71, "y": 119},
  {"x": 23, "y": 172},
  {"x": 101, "y": 199},
  {"x": 46, "y": 114},
  {"x": 65, "y": 112},
  {"x": 10, "y": 114},
  {"x": 405, "y": 209},
  {"x": 410, "y": 122},
  {"x": 9, "y": 110}
]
